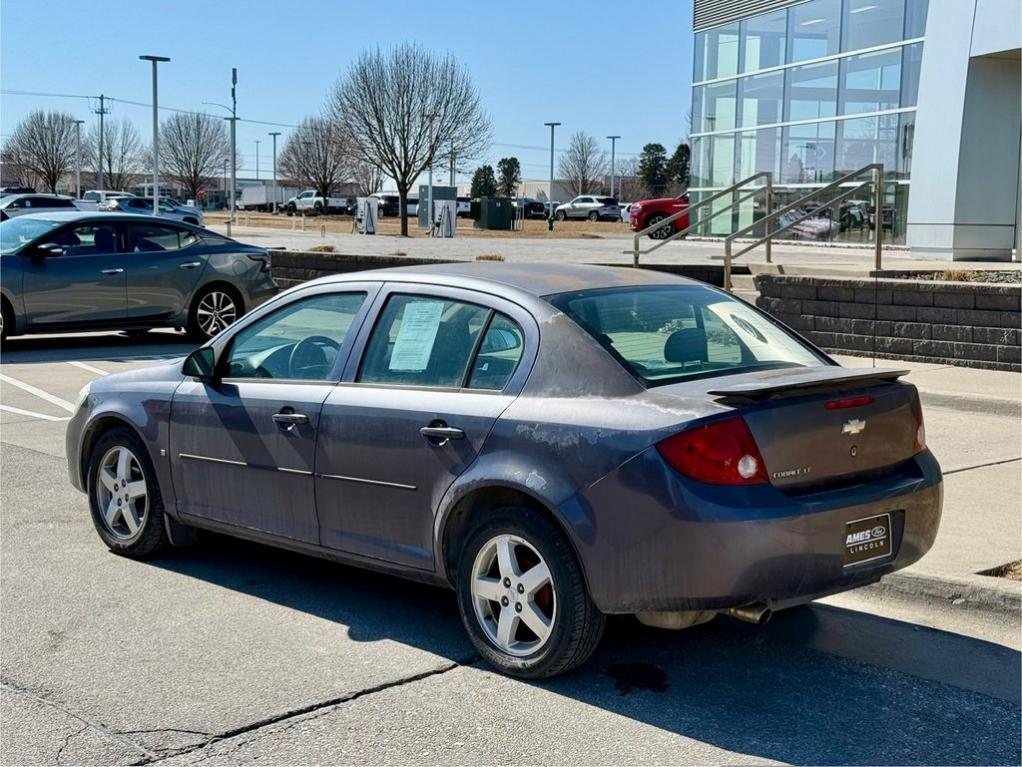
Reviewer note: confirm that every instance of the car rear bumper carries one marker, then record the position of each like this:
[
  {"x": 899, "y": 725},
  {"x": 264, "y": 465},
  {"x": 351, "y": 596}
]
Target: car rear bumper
[{"x": 693, "y": 547}]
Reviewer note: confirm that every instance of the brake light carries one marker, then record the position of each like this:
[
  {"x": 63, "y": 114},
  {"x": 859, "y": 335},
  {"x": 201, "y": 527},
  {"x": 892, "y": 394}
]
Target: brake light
[
  {"x": 720, "y": 453},
  {"x": 919, "y": 441},
  {"x": 840, "y": 404}
]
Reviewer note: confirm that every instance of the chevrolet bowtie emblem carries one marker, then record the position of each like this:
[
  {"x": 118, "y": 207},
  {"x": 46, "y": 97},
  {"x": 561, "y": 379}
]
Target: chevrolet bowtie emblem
[{"x": 854, "y": 426}]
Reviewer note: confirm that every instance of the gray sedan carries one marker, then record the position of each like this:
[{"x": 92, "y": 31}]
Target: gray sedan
[
  {"x": 168, "y": 209},
  {"x": 72, "y": 272},
  {"x": 556, "y": 443}
]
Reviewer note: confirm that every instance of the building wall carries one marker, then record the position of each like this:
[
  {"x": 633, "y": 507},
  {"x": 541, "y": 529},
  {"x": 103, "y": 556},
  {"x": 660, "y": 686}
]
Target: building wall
[{"x": 966, "y": 203}]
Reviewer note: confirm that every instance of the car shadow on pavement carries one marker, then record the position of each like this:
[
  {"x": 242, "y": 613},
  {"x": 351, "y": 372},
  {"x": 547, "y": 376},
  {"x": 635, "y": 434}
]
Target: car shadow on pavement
[
  {"x": 27, "y": 350},
  {"x": 796, "y": 690}
]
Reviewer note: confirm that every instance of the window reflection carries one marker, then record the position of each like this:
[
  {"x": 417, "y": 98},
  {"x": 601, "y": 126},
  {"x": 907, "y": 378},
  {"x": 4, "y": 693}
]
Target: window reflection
[
  {"x": 763, "y": 40},
  {"x": 872, "y": 22},
  {"x": 716, "y": 53},
  {"x": 812, "y": 91},
  {"x": 871, "y": 82},
  {"x": 808, "y": 153},
  {"x": 762, "y": 99},
  {"x": 814, "y": 29}
]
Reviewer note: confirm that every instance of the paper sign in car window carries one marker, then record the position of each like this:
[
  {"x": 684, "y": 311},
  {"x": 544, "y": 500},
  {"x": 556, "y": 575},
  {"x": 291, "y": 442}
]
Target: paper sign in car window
[{"x": 415, "y": 338}]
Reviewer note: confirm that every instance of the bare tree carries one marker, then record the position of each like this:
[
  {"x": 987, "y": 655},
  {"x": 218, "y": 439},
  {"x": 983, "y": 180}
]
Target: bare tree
[
  {"x": 584, "y": 165},
  {"x": 367, "y": 177},
  {"x": 630, "y": 187},
  {"x": 408, "y": 109},
  {"x": 193, "y": 148},
  {"x": 43, "y": 146},
  {"x": 123, "y": 153},
  {"x": 314, "y": 155}
]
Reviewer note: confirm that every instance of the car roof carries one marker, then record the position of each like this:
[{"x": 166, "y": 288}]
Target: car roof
[
  {"x": 62, "y": 216},
  {"x": 538, "y": 279},
  {"x": 46, "y": 195}
]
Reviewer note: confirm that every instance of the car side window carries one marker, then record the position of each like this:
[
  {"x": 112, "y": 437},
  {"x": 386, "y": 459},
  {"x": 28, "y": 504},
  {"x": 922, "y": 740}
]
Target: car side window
[
  {"x": 299, "y": 342},
  {"x": 423, "y": 341},
  {"x": 157, "y": 238},
  {"x": 87, "y": 240},
  {"x": 498, "y": 355}
]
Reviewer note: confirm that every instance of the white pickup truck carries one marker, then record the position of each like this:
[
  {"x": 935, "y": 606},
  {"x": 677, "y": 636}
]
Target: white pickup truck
[{"x": 309, "y": 202}]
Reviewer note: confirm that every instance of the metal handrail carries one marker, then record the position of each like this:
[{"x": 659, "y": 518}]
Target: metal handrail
[
  {"x": 878, "y": 180},
  {"x": 687, "y": 211}
]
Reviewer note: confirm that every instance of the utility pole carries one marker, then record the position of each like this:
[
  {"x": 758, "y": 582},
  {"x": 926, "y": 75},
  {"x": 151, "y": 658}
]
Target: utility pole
[
  {"x": 234, "y": 124},
  {"x": 78, "y": 158},
  {"x": 156, "y": 134},
  {"x": 101, "y": 111},
  {"x": 550, "y": 219},
  {"x": 452, "y": 165},
  {"x": 225, "y": 179},
  {"x": 257, "y": 159},
  {"x": 613, "y": 143},
  {"x": 274, "y": 134}
]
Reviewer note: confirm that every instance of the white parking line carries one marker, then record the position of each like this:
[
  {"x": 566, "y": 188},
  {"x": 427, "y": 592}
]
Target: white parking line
[
  {"x": 19, "y": 411},
  {"x": 61, "y": 403},
  {"x": 85, "y": 366}
]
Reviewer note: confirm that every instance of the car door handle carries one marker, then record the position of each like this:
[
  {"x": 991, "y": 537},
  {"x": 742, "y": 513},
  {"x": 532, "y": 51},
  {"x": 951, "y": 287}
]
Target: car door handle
[
  {"x": 113, "y": 271},
  {"x": 441, "y": 435},
  {"x": 190, "y": 265},
  {"x": 288, "y": 420}
]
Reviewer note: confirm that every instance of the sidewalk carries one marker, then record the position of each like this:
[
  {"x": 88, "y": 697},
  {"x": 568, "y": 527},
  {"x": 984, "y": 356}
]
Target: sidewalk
[{"x": 974, "y": 427}]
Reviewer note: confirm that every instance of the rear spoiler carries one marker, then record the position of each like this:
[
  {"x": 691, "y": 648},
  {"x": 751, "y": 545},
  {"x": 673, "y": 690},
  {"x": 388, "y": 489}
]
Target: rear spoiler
[{"x": 788, "y": 382}]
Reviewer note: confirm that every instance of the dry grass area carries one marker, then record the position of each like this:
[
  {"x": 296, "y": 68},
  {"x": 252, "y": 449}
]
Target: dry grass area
[
  {"x": 533, "y": 228},
  {"x": 1011, "y": 571}
]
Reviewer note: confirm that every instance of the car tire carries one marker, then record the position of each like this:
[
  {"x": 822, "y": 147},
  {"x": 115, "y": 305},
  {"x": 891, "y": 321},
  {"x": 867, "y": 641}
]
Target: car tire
[
  {"x": 527, "y": 540},
  {"x": 6, "y": 320},
  {"x": 663, "y": 232},
  {"x": 561, "y": 215},
  {"x": 214, "y": 308},
  {"x": 593, "y": 216},
  {"x": 124, "y": 495}
]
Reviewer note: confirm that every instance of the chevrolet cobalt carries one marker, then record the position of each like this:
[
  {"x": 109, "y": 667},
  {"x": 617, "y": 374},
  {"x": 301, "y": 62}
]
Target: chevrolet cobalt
[{"x": 556, "y": 443}]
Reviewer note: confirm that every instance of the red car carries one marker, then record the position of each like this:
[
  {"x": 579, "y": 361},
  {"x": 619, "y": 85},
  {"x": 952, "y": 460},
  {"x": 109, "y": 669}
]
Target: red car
[{"x": 647, "y": 212}]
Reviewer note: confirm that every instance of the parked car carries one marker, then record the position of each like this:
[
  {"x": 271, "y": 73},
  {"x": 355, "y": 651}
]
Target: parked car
[
  {"x": 555, "y": 442},
  {"x": 144, "y": 205},
  {"x": 310, "y": 202},
  {"x": 8, "y": 190},
  {"x": 464, "y": 207},
  {"x": 390, "y": 204},
  {"x": 21, "y": 204},
  {"x": 589, "y": 207},
  {"x": 624, "y": 207},
  {"x": 529, "y": 207},
  {"x": 96, "y": 271},
  {"x": 648, "y": 212},
  {"x": 549, "y": 206},
  {"x": 94, "y": 199}
]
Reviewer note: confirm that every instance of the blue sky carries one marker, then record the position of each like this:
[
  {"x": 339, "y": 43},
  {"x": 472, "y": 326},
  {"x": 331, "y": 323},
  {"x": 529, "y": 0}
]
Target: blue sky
[{"x": 601, "y": 67}]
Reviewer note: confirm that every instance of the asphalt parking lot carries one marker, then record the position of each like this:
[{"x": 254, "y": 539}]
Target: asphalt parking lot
[{"x": 237, "y": 653}]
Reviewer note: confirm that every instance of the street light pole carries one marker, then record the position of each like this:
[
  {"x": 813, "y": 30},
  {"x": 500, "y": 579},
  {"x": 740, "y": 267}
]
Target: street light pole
[
  {"x": 274, "y": 134},
  {"x": 613, "y": 146},
  {"x": 156, "y": 134},
  {"x": 78, "y": 158},
  {"x": 550, "y": 220},
  {"x": 257, "y": 159}
]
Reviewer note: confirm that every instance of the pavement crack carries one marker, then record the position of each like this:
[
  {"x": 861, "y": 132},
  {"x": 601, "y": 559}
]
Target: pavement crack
[
  {"x": 319, "y": 709},
  {"x": 981, "y": 466},
  {"x": 87, "y": 723},
  {"x": 67, "y": 741}
]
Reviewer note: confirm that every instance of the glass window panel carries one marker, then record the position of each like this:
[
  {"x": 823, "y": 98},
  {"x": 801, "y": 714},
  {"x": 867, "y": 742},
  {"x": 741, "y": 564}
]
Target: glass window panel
[
  {"x": 872, "y": 22},
  {"x": 812, "y": 91},
  {"x": 721, "y": 169},
  {"x": 498, "y": 355},
  {"x": 301, "y": 341},
  {"x": 763, "y": 40},
  {"x": 759, "y": 151},
  {"x": 867, "y": 140},
  {"x": 719, "y": 102},
  {"x": 915, "y": 18},
  {"x": 808, "y": 153},
  {"x": 871, "y": 82},
  {"x": 814, "y": 29},
  {"x": 700, "y": 164},
  {"x": 906, "y": 136},
  {"x": 912, "y": 60},
  {"x": 716, "y": 53},
  {"x": 762, "y": 99},
  {"x": 696, "y": 118}
]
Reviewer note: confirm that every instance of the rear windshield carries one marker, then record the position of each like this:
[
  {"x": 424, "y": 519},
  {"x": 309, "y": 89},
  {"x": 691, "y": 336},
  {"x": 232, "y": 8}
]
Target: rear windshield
[{"x": 663, "y": 334}]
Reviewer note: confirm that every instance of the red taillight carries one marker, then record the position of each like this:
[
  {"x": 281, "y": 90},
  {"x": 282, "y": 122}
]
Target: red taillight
[
  {"x": 721, "y": 453},
  {"x": 840, "y": 404}
]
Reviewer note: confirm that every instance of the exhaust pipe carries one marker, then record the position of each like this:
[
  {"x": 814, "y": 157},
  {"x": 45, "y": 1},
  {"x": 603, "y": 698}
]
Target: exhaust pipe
[{"x": 757, "y": 613}]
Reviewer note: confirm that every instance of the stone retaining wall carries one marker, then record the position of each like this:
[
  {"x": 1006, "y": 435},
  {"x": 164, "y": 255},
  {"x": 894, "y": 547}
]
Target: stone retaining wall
[{"x": 959, "y": 323}]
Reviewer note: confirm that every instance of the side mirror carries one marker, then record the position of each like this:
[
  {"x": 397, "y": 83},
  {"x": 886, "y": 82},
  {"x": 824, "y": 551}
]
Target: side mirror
[
  {"x": 49, "y": 250},
  {"x": 201, "y": 364}
]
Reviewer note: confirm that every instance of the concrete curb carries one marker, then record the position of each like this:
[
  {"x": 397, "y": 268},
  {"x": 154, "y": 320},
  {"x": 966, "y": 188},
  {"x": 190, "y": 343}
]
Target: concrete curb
[{"x": 981, "y": 592}]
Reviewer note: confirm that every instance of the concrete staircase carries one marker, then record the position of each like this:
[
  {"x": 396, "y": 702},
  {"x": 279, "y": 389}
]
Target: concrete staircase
[{"x": 744, "y": 287}]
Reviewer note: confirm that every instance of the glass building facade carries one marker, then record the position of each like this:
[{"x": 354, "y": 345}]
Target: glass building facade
[{"x": 809, "y": 92}]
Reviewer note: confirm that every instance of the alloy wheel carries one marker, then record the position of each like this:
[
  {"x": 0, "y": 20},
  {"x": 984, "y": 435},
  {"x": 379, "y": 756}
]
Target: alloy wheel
[
  {"x": 215, "y": 312},
  {"x": 513, "y": 595},
  {"x": 121, "y": 494}
]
